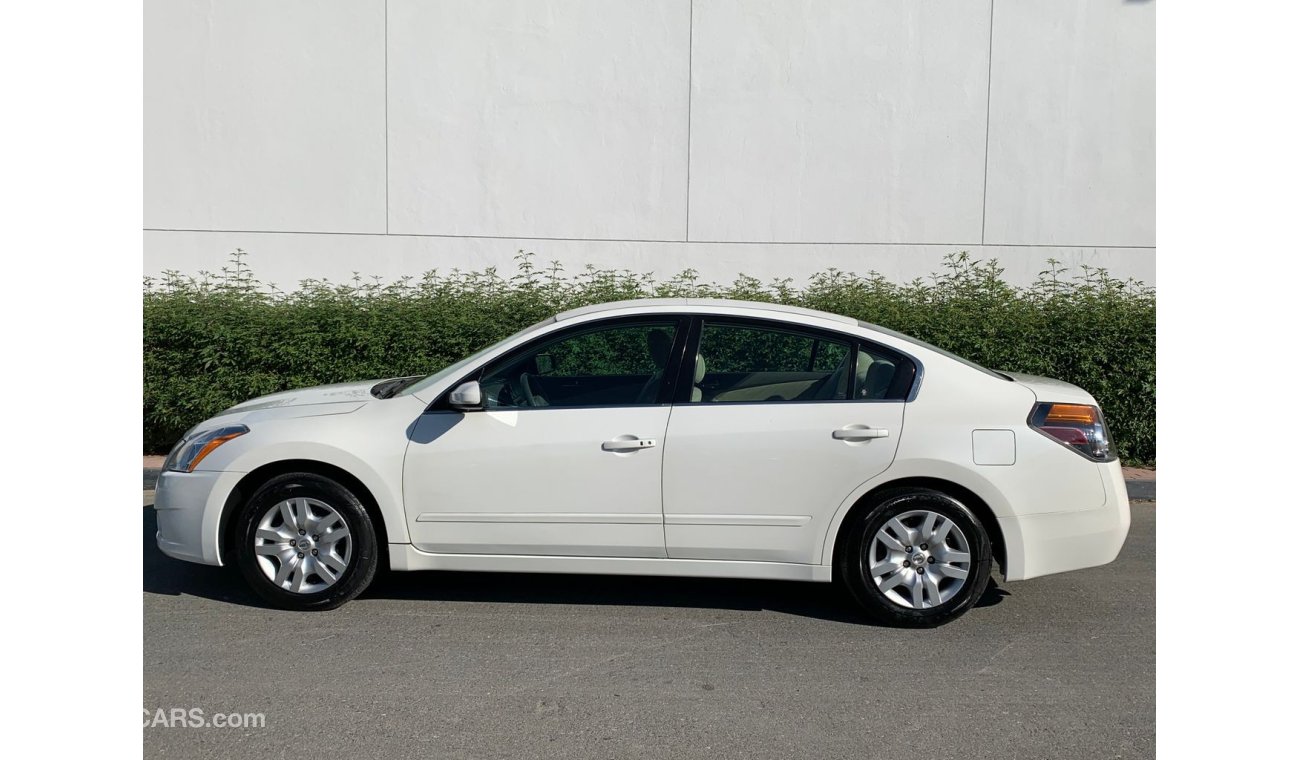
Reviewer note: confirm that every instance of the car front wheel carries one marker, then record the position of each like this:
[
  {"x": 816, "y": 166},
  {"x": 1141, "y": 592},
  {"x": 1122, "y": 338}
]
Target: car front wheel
[
  {"x": 305, "y": 542},
  {"x": 917, "y": 558}
]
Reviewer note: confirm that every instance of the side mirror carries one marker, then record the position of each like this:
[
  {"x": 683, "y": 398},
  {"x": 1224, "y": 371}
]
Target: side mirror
[{"x": 467, "y": 397}]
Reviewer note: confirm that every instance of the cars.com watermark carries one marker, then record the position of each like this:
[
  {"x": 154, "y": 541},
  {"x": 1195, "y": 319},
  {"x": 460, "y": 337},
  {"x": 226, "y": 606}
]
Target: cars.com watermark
[{"x": 195, "y": 717}]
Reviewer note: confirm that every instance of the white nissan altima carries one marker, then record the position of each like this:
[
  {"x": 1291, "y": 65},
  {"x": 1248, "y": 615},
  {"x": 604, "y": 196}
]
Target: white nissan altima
[{"x": 676, "y": 437}]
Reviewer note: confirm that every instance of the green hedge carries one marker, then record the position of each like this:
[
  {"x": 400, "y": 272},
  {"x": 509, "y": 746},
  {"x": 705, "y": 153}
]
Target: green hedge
[{"x": 218, "y": 339}]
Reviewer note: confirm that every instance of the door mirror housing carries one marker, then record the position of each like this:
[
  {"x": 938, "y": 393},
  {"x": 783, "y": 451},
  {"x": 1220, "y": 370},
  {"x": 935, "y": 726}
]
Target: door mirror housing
[{"x": 467, "y": 397}]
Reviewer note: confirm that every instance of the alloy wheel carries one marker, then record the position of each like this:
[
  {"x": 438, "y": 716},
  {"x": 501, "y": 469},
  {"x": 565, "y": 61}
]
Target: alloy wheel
[
  {"x": 302, "y": 545},
  {"x": 919, "y": 559}
]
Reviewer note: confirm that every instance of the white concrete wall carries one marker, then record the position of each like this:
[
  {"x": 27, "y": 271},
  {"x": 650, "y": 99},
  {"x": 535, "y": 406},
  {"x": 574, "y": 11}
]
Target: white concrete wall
[{"x": 772, "y": 137}]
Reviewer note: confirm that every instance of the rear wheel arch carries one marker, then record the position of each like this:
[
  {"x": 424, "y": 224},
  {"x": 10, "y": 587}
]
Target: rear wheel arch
[
  {"x": 977, "y": 505},
  {"x": 254, "y": 480}
]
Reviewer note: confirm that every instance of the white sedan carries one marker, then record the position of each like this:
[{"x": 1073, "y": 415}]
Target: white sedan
[{"x": 676, "y": 437}]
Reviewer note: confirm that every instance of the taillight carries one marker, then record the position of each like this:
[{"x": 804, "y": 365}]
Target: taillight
[{"x": 1078, "y": 426}]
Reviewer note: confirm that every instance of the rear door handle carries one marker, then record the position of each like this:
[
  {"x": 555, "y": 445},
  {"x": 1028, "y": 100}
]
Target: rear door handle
[
  {"x": 859, "y": 434},
  {"x": 628, "y": 444}
]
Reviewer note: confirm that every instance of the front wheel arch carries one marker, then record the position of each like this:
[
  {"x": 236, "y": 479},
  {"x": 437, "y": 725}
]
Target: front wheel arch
[
  {"x": 962, "y": 494},
  {"x": 254, "y": 480}
]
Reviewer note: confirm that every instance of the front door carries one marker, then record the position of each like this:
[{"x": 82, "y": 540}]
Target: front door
[{"x": 565, "y": 460}]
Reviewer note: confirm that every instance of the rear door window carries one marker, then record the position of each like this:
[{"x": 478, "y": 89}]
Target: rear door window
[{"x": 744, "y": 363}]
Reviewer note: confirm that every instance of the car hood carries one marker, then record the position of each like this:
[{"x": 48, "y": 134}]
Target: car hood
[
  {"x": 1046, "y": 389},
  {"x": 351, "y": 394}
]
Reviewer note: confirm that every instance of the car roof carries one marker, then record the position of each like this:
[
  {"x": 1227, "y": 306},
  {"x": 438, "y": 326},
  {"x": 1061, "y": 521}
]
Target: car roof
[
  {"x": 661, "y": 304},
  {"x": 759, "y": 307}
]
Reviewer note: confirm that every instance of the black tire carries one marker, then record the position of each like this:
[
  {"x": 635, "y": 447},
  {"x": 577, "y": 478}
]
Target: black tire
[
  {"x": 362, "y": 564},
  {"x": 852, "y": 563}
]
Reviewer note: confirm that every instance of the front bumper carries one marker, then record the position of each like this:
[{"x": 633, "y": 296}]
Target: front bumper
[
  {"x": 1057, "y": 542},
  {"x": 189, "y": 507}
]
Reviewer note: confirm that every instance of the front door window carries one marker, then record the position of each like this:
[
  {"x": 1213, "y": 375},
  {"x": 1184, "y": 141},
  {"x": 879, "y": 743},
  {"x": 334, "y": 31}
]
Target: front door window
[{"x": 621, "y": 365}]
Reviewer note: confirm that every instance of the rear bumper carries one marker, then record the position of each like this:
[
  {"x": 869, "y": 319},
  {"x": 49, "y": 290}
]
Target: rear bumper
[
  {"x": 189, "y": 506},
  {"x": 1056, "y": 542}
]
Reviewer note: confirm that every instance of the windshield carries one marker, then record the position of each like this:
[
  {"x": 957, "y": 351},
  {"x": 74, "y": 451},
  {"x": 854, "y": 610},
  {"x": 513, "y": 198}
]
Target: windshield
[{"x": 467, "y": 362}]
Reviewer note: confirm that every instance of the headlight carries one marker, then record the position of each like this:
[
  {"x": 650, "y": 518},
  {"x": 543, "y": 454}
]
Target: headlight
[{"x": 187, "y": 454}]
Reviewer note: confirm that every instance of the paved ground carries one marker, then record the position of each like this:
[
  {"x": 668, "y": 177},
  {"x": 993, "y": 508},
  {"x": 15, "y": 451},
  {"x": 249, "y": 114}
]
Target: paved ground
[
  {"x": 442, "y": 665},
  {"x": 1141, "y": 489}
]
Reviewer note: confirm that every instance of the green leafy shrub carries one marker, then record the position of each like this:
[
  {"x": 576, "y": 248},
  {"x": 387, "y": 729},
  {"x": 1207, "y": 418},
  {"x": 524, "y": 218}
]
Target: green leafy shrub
[{"x": 216, "y": 340}]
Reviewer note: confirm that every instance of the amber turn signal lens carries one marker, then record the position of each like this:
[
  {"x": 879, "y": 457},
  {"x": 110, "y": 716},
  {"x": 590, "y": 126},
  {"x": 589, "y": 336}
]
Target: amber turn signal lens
[{"x": 1077, "y": 414}]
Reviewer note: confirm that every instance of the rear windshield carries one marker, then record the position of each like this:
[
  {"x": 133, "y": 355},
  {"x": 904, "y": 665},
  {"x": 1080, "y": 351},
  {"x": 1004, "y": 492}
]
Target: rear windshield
[{"x": 936, "y": 349}]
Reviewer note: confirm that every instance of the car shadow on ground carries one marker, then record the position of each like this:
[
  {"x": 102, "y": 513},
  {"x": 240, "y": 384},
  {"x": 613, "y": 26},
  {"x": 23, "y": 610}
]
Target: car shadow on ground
[{"x": 170, "y": 577}]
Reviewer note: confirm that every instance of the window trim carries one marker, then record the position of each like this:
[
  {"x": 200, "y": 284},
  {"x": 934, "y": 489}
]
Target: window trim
[
  {"x": 667, "y": 387},
  {"x": 683, "y": 382}
]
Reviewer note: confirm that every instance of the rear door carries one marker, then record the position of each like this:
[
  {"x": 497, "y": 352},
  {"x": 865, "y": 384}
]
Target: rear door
[{"x": 776, "y": 426}]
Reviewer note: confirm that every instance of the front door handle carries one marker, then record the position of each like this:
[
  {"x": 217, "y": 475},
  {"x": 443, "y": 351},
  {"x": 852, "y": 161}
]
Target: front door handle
[
  {"x": 628, "y": 444},
  {"x": 859, "y": 434}
]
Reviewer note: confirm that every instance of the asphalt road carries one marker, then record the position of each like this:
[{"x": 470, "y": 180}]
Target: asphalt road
[{"x": 443, "y": 665}]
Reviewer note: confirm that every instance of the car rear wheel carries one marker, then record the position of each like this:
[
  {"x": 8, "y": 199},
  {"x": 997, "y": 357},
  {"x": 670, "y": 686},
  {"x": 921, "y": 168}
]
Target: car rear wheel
[
  {"x": 305, "y": 542},
  {"x": 917, "y": 558}
]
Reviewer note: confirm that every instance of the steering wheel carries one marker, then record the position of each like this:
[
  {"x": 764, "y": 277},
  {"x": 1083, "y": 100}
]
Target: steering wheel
[{"x": 534, "y": 398}]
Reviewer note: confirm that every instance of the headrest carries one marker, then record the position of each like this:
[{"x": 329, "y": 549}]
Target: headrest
[
  {"x": 659, "y": 343},
  {"x": 699, "y": 368},
  {"x": 879, "y": 377}
]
